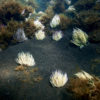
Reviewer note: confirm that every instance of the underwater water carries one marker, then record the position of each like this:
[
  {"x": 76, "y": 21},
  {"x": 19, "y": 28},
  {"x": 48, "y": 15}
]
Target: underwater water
[{"x": 49, "y": 50}]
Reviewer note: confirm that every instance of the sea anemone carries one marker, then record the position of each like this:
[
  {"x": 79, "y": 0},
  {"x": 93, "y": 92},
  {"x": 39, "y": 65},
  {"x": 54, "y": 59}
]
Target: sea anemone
[
  {"x": 68, "y": 2},
  {"x": 58, "y": 79},
  {"x": 70, "y": 9},
  {"x": 38, "y": 15},
  {"x": 41, "y": 13},
  {"x": 40, "y": 35},
  {"x": 52, "y": 2},
  {"x": 57, "y": 35},
  {"x": 20, "y": 35},
  {"x": 83, "y": 75},
  {"x": 25, "y": 59},
  {"x": 39, "y": 25},
  {"x": 80, "y": 38},
  {"x": 55, "y": 21}
]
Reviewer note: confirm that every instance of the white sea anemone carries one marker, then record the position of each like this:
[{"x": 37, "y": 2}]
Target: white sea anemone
[
  {"x": 70, "y": 9},
  {"x": 26, "y": 19},
  {"x": 58, "y": 79},
  {"x": 20, "y": 35},
  {"x": 23, "y": 12},
  {"x": 52, "y": 2},
  {"x": 41, "y": 13},
  {"x": 39, "y": 25},
  {"x": 57, "y": 35},
  {"x": 68, "y": 2},
  {"x": 79, "y": 38},
  {"x": 55, "y": 21},
  {"x": 40, "y": 35},
  {"x": 84, "y": 75},
  {"x": 25, "y": 59}
]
